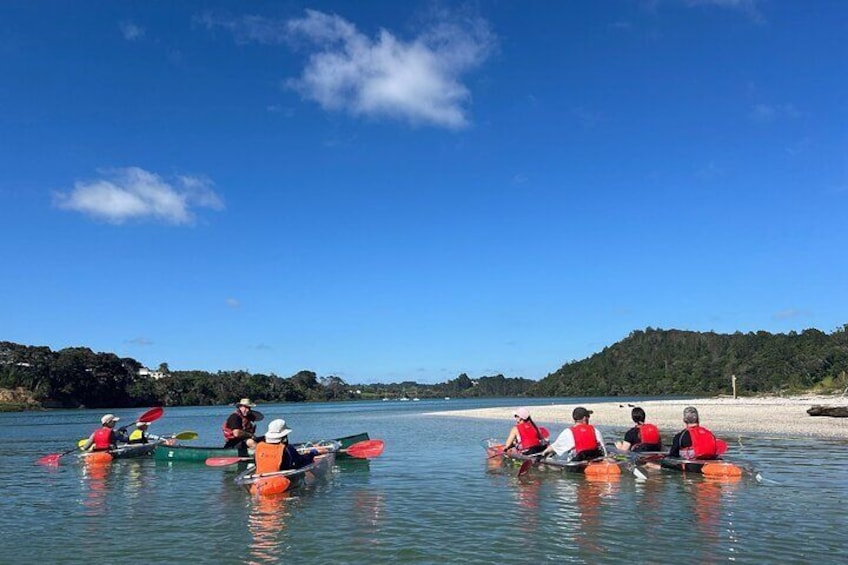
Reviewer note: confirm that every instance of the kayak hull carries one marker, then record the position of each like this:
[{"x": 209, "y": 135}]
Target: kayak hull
[
  {"x": 125, "y": 451},
  {"x": 268, "y": 484},
  {"x": 600, "y": 467},
  {"x": 190, "y": 453},
  {"x": 707, "y": 467}
]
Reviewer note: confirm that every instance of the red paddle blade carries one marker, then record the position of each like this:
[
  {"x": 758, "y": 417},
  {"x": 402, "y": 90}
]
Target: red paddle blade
[
  {"x": 365, "y": 449},
  {"x": 52, "y": 459},
  {"x": 721, "y": 446},
  {"x": 225, "y": 461},
  {"x": 151, "y": 415},
  {"x": 545, "y": 433},
  {"x": 524, "y": 467}
]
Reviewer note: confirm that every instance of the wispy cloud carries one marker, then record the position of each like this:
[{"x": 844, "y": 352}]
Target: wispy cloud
[
  {"x": 134, "y": 194},
  {"x": 788, "y": 314},
  {"x": 748, "y": 7},
  {"x": 416, "y": 80},
  {"x": 233, "y": 303},
  {"x": 766, "y": 113},
  {"x": 141, "y": 341},
  {"x": 131, "y": 31}
]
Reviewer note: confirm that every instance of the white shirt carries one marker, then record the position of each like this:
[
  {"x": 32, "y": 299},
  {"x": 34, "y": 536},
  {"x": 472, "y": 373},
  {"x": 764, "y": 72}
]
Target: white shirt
[{"x": 564, "y": 443}]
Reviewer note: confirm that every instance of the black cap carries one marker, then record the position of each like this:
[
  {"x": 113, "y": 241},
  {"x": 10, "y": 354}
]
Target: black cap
[{"x": 580, "y": 413}]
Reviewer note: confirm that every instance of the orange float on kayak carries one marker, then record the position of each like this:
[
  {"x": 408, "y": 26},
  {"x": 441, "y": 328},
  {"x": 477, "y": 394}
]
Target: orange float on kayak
[
  {"x": 97, "y": 458},
  {"x": 721, "y": 469},
  {"x": 602, "y": 469},
  {"x": 269, "y": 486}
]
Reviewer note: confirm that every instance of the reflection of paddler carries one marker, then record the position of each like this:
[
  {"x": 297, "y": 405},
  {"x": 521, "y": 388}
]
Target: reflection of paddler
[
  {"x": 707, "y": 504},
  {"x": 267, "y": 525}
]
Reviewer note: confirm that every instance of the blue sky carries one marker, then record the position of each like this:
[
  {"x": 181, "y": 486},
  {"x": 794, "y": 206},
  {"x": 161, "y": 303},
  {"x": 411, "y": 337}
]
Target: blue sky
[{"x": 388, "y": 191}]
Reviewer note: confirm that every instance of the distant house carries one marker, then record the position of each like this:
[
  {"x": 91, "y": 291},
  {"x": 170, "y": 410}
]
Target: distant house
[{"x": 147, "y": 373}]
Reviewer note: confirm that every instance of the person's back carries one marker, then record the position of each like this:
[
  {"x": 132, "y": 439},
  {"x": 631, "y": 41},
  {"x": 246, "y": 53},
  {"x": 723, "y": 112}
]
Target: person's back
[
  {"x": 695, "y": 441},
  {"x": 642, "y": 436}
]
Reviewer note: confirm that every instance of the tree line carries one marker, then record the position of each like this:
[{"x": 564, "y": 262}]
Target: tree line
[
  {"x": 652, "y": 362},
  {"x": 673, "y": 362},
  {"x": 79, "y": 377}
]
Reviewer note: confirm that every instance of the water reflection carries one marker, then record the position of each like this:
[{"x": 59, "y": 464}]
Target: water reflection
[
  {"x": 94, "y": 475},
  {"x": 267, "y": 524},
  {"x": 708, "y": 496}
]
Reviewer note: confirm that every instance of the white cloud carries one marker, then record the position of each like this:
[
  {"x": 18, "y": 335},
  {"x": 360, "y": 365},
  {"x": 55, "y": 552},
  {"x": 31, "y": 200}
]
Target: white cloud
[
  {"x": 130, "y": 31},
  {"x": 418, "y": 80},
  {"x": 233, "y": 303},
  {"x": 133, "y": 193}
]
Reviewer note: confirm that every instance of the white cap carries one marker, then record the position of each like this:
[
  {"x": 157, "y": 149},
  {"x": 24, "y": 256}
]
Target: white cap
[{"x": 107, "y": 418}]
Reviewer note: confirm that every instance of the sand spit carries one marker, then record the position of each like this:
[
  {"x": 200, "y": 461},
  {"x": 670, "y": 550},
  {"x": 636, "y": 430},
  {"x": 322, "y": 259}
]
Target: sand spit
[{"x": 779, "y": 416}]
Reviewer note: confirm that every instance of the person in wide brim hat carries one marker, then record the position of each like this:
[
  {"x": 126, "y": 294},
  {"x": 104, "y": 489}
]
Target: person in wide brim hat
[
  {"x": 275, "y": 453},
  {"x": 240, "y": 428}
]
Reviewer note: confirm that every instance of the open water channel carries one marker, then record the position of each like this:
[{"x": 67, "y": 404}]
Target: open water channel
[{"x": 432, "y": 497}]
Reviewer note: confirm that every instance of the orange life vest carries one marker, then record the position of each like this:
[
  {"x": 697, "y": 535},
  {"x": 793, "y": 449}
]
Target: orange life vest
[{"x": 269, "y": 457}]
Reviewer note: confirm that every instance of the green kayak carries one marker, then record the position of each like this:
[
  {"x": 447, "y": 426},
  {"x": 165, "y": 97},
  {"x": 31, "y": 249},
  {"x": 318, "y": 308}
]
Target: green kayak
[{"x": 201, "y": 454}]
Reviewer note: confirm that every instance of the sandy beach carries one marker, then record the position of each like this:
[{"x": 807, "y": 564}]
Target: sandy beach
[{"x": 773, "y": 416}]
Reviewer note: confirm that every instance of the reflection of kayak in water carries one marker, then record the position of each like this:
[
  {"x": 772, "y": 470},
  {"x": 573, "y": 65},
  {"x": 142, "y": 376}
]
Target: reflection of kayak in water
[
  {"x": 601, "y": 466},
  {"x": 281, "y": 481}
]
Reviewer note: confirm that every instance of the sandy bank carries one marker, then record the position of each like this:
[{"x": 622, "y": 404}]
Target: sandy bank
[{"x": 773, "y": 415}]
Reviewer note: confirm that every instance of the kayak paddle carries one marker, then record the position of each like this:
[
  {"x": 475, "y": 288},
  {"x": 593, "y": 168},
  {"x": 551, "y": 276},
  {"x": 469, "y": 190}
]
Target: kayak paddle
[
  {"x": 225, "y": 461},
  {"x": 183, "y": 436},
  {"x": 360, "y": 450},
  {"x": 53, "y": 459},
  {"x": 365, "y": 449}
]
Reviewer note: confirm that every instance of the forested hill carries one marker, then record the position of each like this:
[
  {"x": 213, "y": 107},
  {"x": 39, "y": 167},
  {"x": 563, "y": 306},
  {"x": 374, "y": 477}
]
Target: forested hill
[
  {"x": 673, "y": 362},
  {"x": 651, "y": 362},
  {"x": 37, "y": 377}
]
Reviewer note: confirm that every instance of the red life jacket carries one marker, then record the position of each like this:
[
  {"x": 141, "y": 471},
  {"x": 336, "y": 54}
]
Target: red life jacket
[
  {"x": 268, "y": 457},
  {"x": 584, "y": 438},
  {"x": 703, "y": 444},
  {"x": 528, "y": 434},
  {"x": 246, "y": 425},
  {"x": 103, "y": 439},
  {"x": 648, "y": 433}
]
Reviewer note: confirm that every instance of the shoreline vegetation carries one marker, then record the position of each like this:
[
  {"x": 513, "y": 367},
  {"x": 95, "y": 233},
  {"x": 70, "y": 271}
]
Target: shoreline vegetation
[
  {"x": 650, "y": 363},
  {"x": 761, "y": 415}
]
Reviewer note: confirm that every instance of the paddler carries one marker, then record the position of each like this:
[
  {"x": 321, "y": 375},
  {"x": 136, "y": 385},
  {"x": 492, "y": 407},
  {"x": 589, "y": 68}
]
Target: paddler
[
  {"x": 641, "y": 437},
  {"x": 275, "y": 453},
  {"x": 105, "y": 437},
  {"x": 694, "y": 441},
  {"x": 525, "y": 434},
  {"x": 240, "y": 428},
  {"x": 581, "y": 442},
  {"x": 140, "y": 435}
]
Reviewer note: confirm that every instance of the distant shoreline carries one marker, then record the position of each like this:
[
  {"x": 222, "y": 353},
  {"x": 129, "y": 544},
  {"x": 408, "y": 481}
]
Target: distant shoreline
[{"x": 783, "y": 416}]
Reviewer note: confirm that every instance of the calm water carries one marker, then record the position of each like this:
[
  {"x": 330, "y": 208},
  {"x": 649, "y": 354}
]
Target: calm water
[{"x": 431, "y": 497}]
